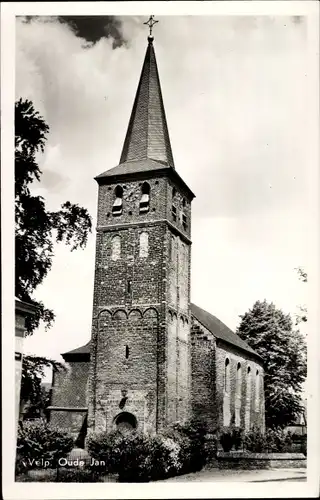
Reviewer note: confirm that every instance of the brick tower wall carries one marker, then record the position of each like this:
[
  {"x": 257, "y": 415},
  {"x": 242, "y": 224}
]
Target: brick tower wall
[{"x": 132, "y": 328}]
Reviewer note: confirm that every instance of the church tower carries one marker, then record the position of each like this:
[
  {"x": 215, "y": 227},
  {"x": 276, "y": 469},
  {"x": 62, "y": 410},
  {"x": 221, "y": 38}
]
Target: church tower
[{"x": 140, "y": 343}]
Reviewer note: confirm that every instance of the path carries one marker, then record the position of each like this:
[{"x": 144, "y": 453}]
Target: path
[{"x": 253, "y": 476}]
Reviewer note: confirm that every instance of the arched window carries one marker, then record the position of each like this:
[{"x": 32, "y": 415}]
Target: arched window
[
  {"x": 117, "y": 204},
  {"x": 116, "y": 248},
  {"x": 257, "y": 398},
  {"x": 145, "y": 198},
  {"x": 237, "y": 402},
  {"x": 227, "y": 376},
  {"x": 238, "y": 380},
  {"x": 248, "y": 400},
  {"x": 144, "y": 245},
  {"x": 226, "y": 396}
]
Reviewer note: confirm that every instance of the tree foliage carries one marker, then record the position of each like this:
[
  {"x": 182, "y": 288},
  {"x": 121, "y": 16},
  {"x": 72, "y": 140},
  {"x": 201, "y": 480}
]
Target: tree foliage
[
  {"x": 34, "y": 399},
  {"x": 37, "y": 228},
  {"x": 39, "y": 442},
  {"x": 271, "y": 334}
]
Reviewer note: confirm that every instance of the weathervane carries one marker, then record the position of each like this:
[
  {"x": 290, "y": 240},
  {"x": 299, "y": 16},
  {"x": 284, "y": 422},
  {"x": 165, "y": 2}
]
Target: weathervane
[{"x": 151, "y": 22}]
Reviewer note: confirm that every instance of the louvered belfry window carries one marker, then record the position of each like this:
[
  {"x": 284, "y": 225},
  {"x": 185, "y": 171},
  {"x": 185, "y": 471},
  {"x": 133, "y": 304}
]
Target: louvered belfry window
[
  {"x": 145, "y": 198},
  {"x": 117, "y": 204}
]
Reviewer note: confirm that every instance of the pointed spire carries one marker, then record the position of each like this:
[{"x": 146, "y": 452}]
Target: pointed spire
[{"x": 147, "y": 135}]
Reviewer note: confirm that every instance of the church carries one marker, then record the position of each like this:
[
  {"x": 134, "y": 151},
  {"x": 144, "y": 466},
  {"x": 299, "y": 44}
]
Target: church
[{"x": 154, "y": 358}]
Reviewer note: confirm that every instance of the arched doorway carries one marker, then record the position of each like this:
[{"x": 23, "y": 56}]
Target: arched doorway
[{"x": 125, "y": 422}]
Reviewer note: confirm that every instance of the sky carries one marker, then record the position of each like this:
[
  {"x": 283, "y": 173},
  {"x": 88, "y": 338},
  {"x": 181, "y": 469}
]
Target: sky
[{"x": 235, "y": 92}]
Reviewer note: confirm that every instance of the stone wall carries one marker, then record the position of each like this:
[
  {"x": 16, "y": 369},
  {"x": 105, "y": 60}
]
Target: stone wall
[
  {"x": 178, "y": 319},
  {"x": 132, "y": 192},
  {"x": 69, "y": 392},
  {"x": 239, "y": 460},
  {"x": 126, "y": 360},
  {"x": 250, "y": 403},
  {"x": 70, "y": 421},
  {"x": 220, "y": 396},
  {"x": 69, "y": 388},
  {"x": 129, "y": 266},
  {"x": 178, "y": 199},
  {"x": 146, "y": 355},
  {"x": 203, "y": 375}
]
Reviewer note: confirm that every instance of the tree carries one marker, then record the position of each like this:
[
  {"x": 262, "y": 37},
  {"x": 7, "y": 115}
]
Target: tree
[
  {"x": 34, "y": 398},
  {"x": 271, "y": 334},
  {"x": 36, "y": 227}
]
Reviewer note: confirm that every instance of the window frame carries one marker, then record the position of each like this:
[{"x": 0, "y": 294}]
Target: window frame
[
  {"x": 117, "y": 206},
  {"x": 144, "y": 202}
]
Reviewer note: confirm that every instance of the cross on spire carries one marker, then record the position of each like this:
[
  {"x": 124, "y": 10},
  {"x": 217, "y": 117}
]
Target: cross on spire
[{"x": 151, "y": 22}]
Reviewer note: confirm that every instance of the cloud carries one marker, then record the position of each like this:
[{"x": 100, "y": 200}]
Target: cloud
[
  {"x": 235, "y": 94},
  {"x": 89, "y": 28},
  {"x": 241, "y": 101}
]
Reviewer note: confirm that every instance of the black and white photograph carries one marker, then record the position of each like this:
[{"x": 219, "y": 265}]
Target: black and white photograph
[{"x": 164, "y": 183}]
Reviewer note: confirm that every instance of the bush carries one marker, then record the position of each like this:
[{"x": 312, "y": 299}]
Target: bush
[
  {"x": 275, "y": 440},
  {"x": 191, "y": 438},
  {"x": 139, "y": 458},
  {"x": 304, "y": 445},
  {"x": 183, "y": 443},
  {"x": 40, "y": 445},
  {"x": 230, "y": 437},
  {"x": 166, "y": 460},
  {"x": 196, "y": 432},
  {"x": 255, "y": 441},
  {"x": 135, "y": 457},
  {"x": 106, "y": 447},
  {"x": 237, "y": 435},
  {"x": 226, "y": 439}
]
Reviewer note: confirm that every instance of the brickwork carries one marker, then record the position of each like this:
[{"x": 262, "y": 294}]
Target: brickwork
[
  {"x": 146, "y": 356},
  {"x": 141, "y": 326},
  {"x": 236, "y": 460},
  {"x": 220, "y": 395},
  {"x": 70, "y": 391},
  {"x": 70, "y": 387},
  {"x": 171, "y": 369},
  {"x": 203, "y": 373},
  {"x": 250, "y": 412},
  {"x": 180, "y": 200},
  {"x": 126, "y": 360},
  {"x": 143, "y": 272},
  {"x": 151, "y": 359},
  {"x": 132, "y": 192},
  {"x": 69, "y": 421}
]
